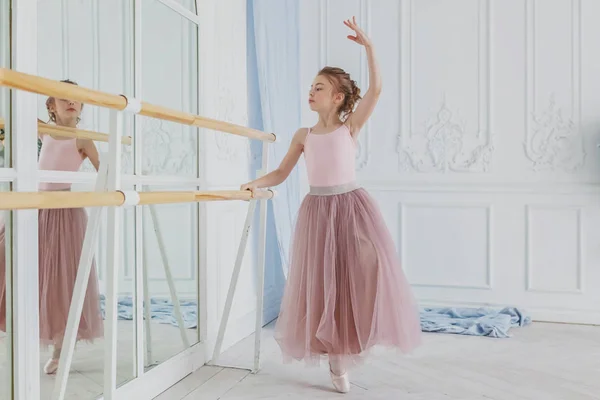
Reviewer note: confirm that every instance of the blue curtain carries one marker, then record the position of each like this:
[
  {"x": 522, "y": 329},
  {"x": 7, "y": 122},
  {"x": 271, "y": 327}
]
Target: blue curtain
[{"x": 274, "y": 106}]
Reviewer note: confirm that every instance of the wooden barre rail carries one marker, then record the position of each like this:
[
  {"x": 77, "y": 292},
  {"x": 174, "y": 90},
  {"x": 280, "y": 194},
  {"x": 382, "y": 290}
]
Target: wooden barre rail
[
  {"x": 65, "y": 131},
  {"x": 49, "y": 87},
  {"x": 60, "y": 199}
]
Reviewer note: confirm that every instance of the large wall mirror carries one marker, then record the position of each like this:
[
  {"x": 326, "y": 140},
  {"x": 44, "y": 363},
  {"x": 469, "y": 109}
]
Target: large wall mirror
[{"x": 93, "y": 44}]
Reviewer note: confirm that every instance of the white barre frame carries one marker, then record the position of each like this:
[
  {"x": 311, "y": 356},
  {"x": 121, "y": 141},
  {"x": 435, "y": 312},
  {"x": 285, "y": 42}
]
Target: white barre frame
[{"x": 262, "y": 240}]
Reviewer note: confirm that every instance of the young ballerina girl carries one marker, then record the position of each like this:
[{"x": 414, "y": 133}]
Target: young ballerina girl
[
  {"x": 346, "y": 291},
  {"x": 61, "y": 234}
]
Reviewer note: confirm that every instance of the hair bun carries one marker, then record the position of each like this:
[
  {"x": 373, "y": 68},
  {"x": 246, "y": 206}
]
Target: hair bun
[{"x": 344, "y": 84}]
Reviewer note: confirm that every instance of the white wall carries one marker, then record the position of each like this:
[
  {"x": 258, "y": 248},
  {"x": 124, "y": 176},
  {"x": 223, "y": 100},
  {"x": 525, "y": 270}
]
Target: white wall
[
  {"x": 227, "y": 157},
  {"x": 482, "y": 152}
]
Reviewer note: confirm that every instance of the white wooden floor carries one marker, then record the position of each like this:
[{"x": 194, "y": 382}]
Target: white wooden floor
[{"x": 541, "y": 362}]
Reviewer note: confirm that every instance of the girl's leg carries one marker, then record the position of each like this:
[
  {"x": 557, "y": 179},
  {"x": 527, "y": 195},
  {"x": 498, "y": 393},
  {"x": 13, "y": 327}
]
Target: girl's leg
[
  {"x": 52, "y": 364},
  {"x": 339, "y": 375},
  {"x": 336, "y": 364},
  {"x": 56, "y": 352}
]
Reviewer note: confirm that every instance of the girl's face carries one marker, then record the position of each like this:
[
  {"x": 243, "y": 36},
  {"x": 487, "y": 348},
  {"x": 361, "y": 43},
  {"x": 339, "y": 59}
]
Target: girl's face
[
  {"x": 322, "y": 96},
  {"x": 66, "y": 111}
]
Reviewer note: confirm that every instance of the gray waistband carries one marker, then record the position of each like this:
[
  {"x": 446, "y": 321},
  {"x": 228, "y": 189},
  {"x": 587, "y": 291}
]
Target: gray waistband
[{"x": 332, "y": 190}]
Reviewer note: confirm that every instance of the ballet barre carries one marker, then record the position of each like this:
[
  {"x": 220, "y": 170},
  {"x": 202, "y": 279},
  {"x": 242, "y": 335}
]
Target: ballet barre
[
  {"x": 108, "y": 195},
  {"x": 49, "y": 87},
  {"x": 67, "y": 132},
  {"x": 61, "y": 199}
]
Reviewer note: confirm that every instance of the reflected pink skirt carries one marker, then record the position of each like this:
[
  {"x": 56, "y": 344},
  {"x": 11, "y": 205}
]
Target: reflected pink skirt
[
  {"x": 346, "y": 291},
  {"x": 61, "y": 234}
]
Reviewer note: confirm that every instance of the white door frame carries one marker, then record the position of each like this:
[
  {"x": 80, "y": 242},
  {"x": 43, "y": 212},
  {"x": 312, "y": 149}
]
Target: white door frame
[{"x": 25, "y": 306}]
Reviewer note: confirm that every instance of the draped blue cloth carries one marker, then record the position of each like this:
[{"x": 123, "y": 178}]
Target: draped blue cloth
[{"x": 274, "y": 49}]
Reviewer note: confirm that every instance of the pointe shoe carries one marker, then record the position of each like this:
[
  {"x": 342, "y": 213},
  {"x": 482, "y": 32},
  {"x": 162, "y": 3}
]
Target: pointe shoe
[
  {"x": 51, "y": 366},
  {"x": 341, "y": 383}
]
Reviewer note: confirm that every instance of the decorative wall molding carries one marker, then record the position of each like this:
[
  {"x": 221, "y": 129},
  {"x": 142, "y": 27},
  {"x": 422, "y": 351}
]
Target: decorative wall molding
[
  {"x": 444, "y": 145},
  {"x": 554, "y": 142},
  {"x": 529, "y": 269},
  {"x": 489, "y": 231},
  {"x": 591, "y": 189}
]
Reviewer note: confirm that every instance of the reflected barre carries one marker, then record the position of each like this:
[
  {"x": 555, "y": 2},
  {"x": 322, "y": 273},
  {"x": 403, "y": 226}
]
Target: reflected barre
[
  {"x": 64, "y": 131},
  {"x": 60, "y": 199},
  {"x": 49, "y": 87}
]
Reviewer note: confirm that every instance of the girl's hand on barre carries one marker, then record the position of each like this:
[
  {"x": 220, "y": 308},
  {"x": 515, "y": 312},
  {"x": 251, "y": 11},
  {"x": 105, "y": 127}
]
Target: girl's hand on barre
[{"x": 249, "y": 186}]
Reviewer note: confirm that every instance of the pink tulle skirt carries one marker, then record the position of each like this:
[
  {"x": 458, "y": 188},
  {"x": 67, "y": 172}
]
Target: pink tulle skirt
[
  {"x": 346, "y": 291},
  {"x": 61, "y": 234}
]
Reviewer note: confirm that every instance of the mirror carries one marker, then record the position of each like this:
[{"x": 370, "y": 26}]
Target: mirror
[
  {"x": 89, "y": 44},
  {"x": 92, "y": 44}
]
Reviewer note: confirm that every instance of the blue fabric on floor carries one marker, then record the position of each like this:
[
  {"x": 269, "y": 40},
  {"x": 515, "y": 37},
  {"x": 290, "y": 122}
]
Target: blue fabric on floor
[
  {"x": 461, "y": 321},
  {"x": 473, "y": 321},
  {"x": 161, "y": 311}
]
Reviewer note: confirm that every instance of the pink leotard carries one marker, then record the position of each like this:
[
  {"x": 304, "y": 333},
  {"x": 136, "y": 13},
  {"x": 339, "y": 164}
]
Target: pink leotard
[
  {"x": 58, "y": 155},
  {"x": 330, "y": 158}
]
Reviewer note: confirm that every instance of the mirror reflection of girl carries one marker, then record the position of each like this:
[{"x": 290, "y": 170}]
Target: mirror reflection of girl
[{"x": 61, "y": 234}]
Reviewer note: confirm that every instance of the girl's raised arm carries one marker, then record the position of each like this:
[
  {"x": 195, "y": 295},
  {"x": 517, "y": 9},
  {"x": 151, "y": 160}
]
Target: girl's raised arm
[{"x": 365, "y": 107}]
